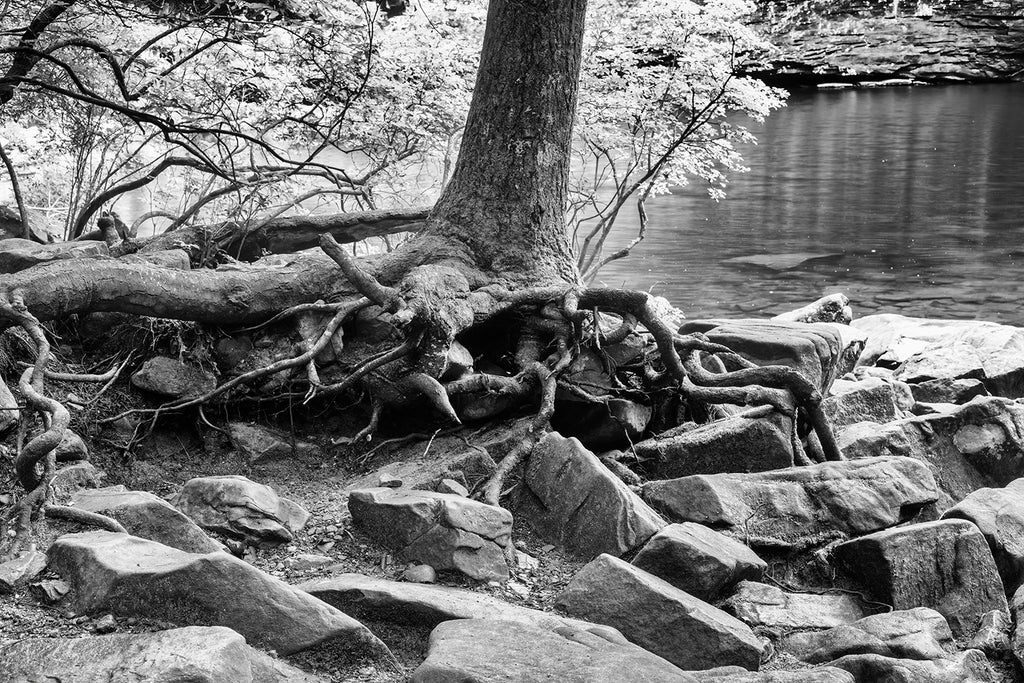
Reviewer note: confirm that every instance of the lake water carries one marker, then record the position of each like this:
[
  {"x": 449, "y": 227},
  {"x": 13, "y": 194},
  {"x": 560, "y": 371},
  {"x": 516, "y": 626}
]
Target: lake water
[{"x": 916, "y": 193}]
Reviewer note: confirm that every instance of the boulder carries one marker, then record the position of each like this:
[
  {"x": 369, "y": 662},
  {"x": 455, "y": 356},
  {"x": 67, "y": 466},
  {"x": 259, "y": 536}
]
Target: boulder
[
  {"x": 241, "y": 508},
  {"x": 833, "y": 308},
  {"x": 173, "y": 378},
  {"x": 800, "y": 506},
  {"x": 572, "y": 499},
  {"x": 896, "y": 339},
  {"x": 71, "y": 447},
  {"x": 261, "y": 444},
  {"x": 732, "y": 444},
  {"x": 869, "y": 400},
  {"x": 491, "y": 650},
  {"x": 758, "y": 604},
  {"x": 652, "y": 613},
  {"x": 376, "y": 599},
  {"x": 815, "y": 350},
  {"x": 999, "y": 514},
  {"x": 194, "y": 654},
  {"x": 818, "y": 674},
  {"x": 145, "y": 515},
  {"x": 948, "y": 390},
  {"x": 75, "y": 477},
  {"x": 132, "y": 577},
  {"x": 993, "y": 636},
  {"x": 440, "y": 529},
  {"x": 699, "y": 560},
  {"x": 967, "y": 667},
  {"x": 1017, "y": 614},
  {"x": 944, "y": 361},
  {"x": 10, "y": 415},
  {"x": 18, "y": 254},
  {"x": 968, "y": 447},
  {"x": 945, "y": 565},
  {"x": 919, "y": 633},
  {"x": 19, "y": 570},
  {"x": 39, "y": 229}
]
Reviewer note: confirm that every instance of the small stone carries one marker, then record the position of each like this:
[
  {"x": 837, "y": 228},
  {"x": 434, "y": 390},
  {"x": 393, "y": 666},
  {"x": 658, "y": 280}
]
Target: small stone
[
  {"x": 326, "y": 547},
  {"x": 420, "y": 573},
  {"x": 526, "y": 564},
  {"x": 518, "y": 589},
  {"x": 79, "y": 620},
  {"x": 993, "y": 636},
  {"x": 389, "y": 481},
  {"x": 547, "y": 548},
  {"x": 453, "y": 487},
  {"x": 331, "y": 529},
  {"x": 307, "y": 561},
  {"x": 105, "y": 624},
  {"x": 51, "y": 590}
]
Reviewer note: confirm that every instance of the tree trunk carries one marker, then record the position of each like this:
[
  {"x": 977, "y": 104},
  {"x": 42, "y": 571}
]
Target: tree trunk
[{"x": 507, "y": 196}]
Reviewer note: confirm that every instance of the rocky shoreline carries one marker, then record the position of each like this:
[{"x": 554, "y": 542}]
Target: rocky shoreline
[
  {"x": 873, "y": 43},
  {"x": 720, "y": 552}
]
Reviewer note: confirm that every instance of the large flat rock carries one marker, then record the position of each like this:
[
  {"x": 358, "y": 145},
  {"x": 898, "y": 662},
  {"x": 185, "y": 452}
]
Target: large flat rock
[
  {"x": 800, "y": 506},
  {"x": 945, "y": 565},
  {"x": 147, "y": 516},
  {"x": 133, "y": 577},
  {"x": 979, "y": 444},
  {"x": 575, "y": 501},
  {"x": 488, "y": 651},
  {"x": 195, "y": 654},
  {"x": 375, "y": 599},
  {"x": 998, "y": 349},
  {"x": 652, "y": 613}
]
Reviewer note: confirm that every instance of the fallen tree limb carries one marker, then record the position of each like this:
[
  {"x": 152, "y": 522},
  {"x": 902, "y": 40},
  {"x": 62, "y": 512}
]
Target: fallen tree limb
[{"x": 288, "y": 234}]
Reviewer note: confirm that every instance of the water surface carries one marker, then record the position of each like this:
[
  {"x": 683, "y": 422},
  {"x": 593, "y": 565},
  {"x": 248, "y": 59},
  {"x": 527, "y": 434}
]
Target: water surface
[{"x": 918, "y": 193}]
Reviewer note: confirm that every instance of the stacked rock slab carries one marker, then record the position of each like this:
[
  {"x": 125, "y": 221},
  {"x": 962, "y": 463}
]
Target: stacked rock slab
[
  {"x": 871, "y": 399},
  {"x": 144, "y": 515},
  {"x": 699, "y": 560},
  {"x": 999, "y": 514},
  {"x": 812, "y": 349},
  {"x": 241, "y": 508},
  {"x": 133, "y": 577},
  {"x": 440, "y": 529},
  {"x": 945, "y": 565},
  {"x": 197, "y": 654},
  {"x": 759, "y": 604},
  {"x": 573, "y": 500},
  {"x": 653, "y": 613},
  {"x": 486, "y": 650},
  {"x": 979, "y": 444},
  {"x": 413, "y": 603},
  {"x": 919, "y": 633},
  {"x": 733, "y": 444},
  {"x": 800, "y": 506},
  {"x": 896, "y": 339}
]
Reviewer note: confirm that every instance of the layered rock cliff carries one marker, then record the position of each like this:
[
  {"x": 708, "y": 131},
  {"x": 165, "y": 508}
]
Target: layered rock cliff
[{"x": 867, "y": 41}]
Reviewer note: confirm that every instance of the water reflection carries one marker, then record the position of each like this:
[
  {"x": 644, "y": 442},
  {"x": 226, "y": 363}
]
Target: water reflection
[{"x": 921, "y": 190}]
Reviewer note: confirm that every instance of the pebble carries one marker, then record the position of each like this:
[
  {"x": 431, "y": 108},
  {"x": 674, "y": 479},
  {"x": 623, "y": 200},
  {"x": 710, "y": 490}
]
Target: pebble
[
  {"x": 420, "y": 573},
  {"x": 325, "y": 547},
  {"x": 105, "y": 624}
]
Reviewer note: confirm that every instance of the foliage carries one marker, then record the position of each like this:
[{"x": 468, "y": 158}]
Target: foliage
[{"x": 244, "y": 110}]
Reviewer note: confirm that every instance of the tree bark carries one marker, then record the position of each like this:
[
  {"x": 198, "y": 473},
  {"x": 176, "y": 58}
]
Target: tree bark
[
  {"x": 507, "y": 195},
  {"x": 241, "y": 294},
  {"x": 19, "y": 200}
]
